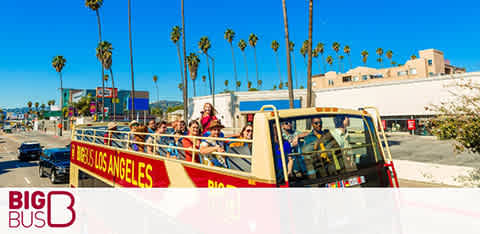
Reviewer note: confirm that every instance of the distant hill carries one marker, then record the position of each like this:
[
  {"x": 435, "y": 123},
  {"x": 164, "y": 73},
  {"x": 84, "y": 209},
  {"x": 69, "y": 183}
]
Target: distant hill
[
  {"x": 164, "y": 104},
  {"x": 18, "y": 110}
]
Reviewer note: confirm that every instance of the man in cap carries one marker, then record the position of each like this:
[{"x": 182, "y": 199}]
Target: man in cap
[
  {"x": 207, "y": 147},
  {"x": 129, "y": 137}
]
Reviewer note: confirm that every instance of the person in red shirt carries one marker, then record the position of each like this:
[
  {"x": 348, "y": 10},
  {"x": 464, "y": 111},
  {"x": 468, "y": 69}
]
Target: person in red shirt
[
  {"x": 193, "y": 130},
  {"x": 208, "y": 114}
]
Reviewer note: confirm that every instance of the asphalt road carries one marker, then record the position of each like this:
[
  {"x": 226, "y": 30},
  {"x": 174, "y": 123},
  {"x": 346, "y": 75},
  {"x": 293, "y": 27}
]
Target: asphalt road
[{"x": 14, "y": 173}]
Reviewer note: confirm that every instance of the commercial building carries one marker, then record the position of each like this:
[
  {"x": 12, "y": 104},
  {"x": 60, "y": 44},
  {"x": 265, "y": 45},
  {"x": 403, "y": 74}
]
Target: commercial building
[{"x": 431, "y": 63}]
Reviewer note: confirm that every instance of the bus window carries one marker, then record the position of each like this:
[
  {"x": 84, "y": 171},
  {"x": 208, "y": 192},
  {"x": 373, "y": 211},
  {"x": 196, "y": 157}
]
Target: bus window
[{"x": 324, "y": 148}]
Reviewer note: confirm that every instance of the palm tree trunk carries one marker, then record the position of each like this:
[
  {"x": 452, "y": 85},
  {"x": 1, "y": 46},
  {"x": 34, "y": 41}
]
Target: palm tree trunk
[
  {"x": 101, "y": 63},
  {"x": 339, "y": 64},
  {"x": 256, "y": 63},
  {"x": 309, "y": 68},
  {"x": 278, "y": 67},
  {"x": 209, "y": 77},
  {"x": 324, "y": 65},
  {"x": 194, "y": 89},
  {"x": 295, "y": 69},
  {"x": 114, "y": 96},
  {"x": 132, "y": 94},
  {"x": 185, "y": 82},
  {"x": 350, "y": 60},
  {"x": 234, "y": 64},
  {"x": 61, "y": 102},
  {"x": 180, "y": 61},
  {"x": 289, "y": 64},
  {"x": 246, "y": 65},
  {"x": 158, "y": 97}
]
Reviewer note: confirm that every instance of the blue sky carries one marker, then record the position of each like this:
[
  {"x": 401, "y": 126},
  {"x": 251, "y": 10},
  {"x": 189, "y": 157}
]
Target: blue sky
[{"x": 32, "y": 34}]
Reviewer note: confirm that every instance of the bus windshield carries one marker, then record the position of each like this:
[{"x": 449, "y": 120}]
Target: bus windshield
[{"x": 319, "y": 148}]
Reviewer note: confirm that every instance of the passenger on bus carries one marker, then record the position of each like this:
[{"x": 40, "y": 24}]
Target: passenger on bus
[
  {"x": 277, "y": 155},
  {"x": 181, "y": 127},
  {"x": 139, "y": 139},
  {"x": 207, "y": 147},
  {"x": 247, "y": 134},
  {"x": 151, "y": 126},
  {"x": 208, "y": 115},
  {"x": 340, "y": 132},
  {"x": 107, "y": 137},
  {"x": 316, "y": 132},
  {"x": 129, "y": 136},
  {"x": 193, "y": 130},
  {"x": 176, "y": 141},
  {"x": 161, "y": 128},
  {"x": 290, "y": 134}
]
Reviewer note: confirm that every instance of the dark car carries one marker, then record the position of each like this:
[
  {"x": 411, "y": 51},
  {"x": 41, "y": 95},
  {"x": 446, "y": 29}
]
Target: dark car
[
  {"x": 29, "y": 151},
  {"x": 55, "y": 163}
]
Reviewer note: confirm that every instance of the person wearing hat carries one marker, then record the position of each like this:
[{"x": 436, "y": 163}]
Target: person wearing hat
[
  {"x": 129, "y": 137},
  {"x": 207, "y": 147},
  {"x": 107, "y": 137}
]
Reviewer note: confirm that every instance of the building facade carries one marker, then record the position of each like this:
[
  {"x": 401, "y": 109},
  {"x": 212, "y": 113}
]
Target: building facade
[{"x": 431, "y": 63}]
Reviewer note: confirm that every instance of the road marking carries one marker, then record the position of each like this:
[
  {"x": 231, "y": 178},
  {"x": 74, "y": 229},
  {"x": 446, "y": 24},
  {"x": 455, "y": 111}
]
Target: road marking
[{"x": 26, "y": 179}]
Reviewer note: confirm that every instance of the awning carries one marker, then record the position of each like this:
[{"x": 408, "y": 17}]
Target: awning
[{"x": 252, "y": 106}]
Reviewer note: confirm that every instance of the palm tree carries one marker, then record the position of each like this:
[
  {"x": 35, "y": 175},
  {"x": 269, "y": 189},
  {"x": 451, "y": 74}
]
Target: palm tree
[
  {"x": 242, "y": 45},
  {"x": 321, "y": 49},
  {"x": 394, "y": 63},
  {"x": 379, "y": 52},
  {"x": 364, "y": 56},
  {"x": 341, "y": 57},
  {"x": 413, "y": 57},
  {"x": 249, "y": 84},
  {"x": 336, "y": 48},
  {"x": 58, "y": 64},
  {"x": 330, "y": 60},
  {"x": 37, "y": 104},
  {"x": 175, "y": 36},
  {"x": 29, "y": 104},
  {"x": 226, "y": 84},
  {"x": 229, "y": 36},
  {"x": 287, "y": 44},
  {"x": 238, "y": 83},
  {"x": 95, "y": 5},
  {"x": 275, "y": 47},
  {"x": 389, "y": 55},
  {"x": 280, "y": 85},
  {"x": 204, "y": 79},
  {"x": 49, "y": 103},
  {"x": 106, "y": 48},
  {"x": 42, "y": 106},
  {"x": 346, "y": 50},
  {"x": 292, "y": 45},
  {"x": 185, "y": 86},
  {"x": 310, "y": 45},
  {"x": 193, "y": 62},
  {"x": 131, "y": 57},
  {"x": 252, "y": 41},
  {"x": 259, "y": 83},
  {"x": 274, "y": 87},
  {"x": 315, "y": 55},
  {"x": 155, "y": 79},
  {"x": 303, "y": 51},
  {"x": 180, "y": 86},
  {"x": 204, "y": 45}
]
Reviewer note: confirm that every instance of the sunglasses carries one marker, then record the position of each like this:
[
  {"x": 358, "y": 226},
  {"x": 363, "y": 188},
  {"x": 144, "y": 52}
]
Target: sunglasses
[
  {"x": 287, "y": 123},
  {"x": 317, "y": 123},
  {"x": 249, "y": 130}
]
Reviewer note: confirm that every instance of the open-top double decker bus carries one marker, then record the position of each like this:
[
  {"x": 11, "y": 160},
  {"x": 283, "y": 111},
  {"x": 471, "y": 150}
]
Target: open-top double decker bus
[{"x": 334, "y": 148}]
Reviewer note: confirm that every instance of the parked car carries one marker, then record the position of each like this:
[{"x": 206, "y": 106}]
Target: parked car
[
  {"x": 55, "y": 163},
  {"x": 29, "y": 150},
  {"x": 7, "y": 129}
]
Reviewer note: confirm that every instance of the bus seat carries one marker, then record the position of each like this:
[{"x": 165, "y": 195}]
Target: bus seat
[{"x": 241, "y": 164}]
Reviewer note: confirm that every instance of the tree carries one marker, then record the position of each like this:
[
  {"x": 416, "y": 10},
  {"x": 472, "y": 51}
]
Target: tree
[
  {"x": 259, "y": 83},
  {"x": 394, "y": 63},
  {"x": 180, "y": 86},
  {"x": 155, "y": 79},
  {"x": 364, "y": 56},
  {"x": 175, "y": 36},
  {"x": 274, "y": 87},
  {"x": 303, "y": 51},
  {"x": 37, "y": 104},
  {"x": 280, "y": 85},
  {"x": 379, "y": 52},
  {"x": 347, "y": 50},
  {"x": 275, "y": 45},
  {"x": 320, "y": 49},
  {"x": 336, "y": 48},
  {"x": 330, "y": 60},
  {"x": 83, "y": 105},
  {"x": 229, "y": 36},
  {"x": 292, "y": 45},
  {"x": 238, "y": 83},
  {"x": 341, "y": 57},
  {"x": 413, "y": 57},
  {"x": 287, "y": 44},
  {"x": 131, "y": 57},
  {"x": 242, "y": 45},
  {"x": 106, "y": 48},
  {"x": 42, "y": 106},
  {"x": 252, "y": 41},
  {"x": 249, "y": 84},
  {"x": 185, "y": 86},
  {"x": 58, "y": 64},
  {"x": 310, "y": 45},
  {"x": 204, "y": 79},
  {"x": 459, "y": 118},
  {"x": 389, "y": 55},
  {"x": 29, "y": 104},
  {"x": 193, "y": 62},
  {"x": 204, "y": 45},
  {"x": 226, "y": 84},
  {"x": 95, "y": 5}
]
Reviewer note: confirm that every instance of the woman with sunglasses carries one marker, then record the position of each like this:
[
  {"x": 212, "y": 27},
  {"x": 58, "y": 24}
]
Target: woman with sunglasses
[{"x": 247, "y": 134}]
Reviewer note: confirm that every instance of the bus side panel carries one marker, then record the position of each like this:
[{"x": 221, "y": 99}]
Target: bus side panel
[
  {"x": 208, "y": 178},
  {"x": 122, "y": 168}
]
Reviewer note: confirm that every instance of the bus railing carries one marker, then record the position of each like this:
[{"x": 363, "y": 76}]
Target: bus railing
[{"x": 124, "y": 140}]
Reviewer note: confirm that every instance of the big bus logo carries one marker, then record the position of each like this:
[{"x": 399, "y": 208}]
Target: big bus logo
[{"x": 28, "y": 210}]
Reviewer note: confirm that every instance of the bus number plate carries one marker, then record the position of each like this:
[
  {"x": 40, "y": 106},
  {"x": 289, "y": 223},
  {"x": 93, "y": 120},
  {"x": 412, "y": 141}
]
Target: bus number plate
[{"x": 354, "y": 181}]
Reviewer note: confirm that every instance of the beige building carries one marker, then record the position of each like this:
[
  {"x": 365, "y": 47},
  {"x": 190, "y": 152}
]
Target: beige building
[{"x": 430, "y": 64}]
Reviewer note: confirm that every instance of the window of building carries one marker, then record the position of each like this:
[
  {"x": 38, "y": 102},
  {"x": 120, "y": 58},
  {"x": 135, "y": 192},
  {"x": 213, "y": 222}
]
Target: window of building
[
  {"x": 430, "y": 62},
  {"x": 376, "y": 76},
  {"x": 347, "y": 78},
  {"x": 413, "y": 71},
  {"x": 330, "y": 82},
  {"x": 364, "y": 77},
  {"x": 355, "y": 78},
  {"x": 402, "y": 73}
]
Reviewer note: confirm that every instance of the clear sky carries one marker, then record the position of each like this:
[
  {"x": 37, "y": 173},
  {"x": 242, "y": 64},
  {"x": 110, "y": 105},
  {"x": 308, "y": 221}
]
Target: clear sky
[{"x": 32, "y": 33}]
